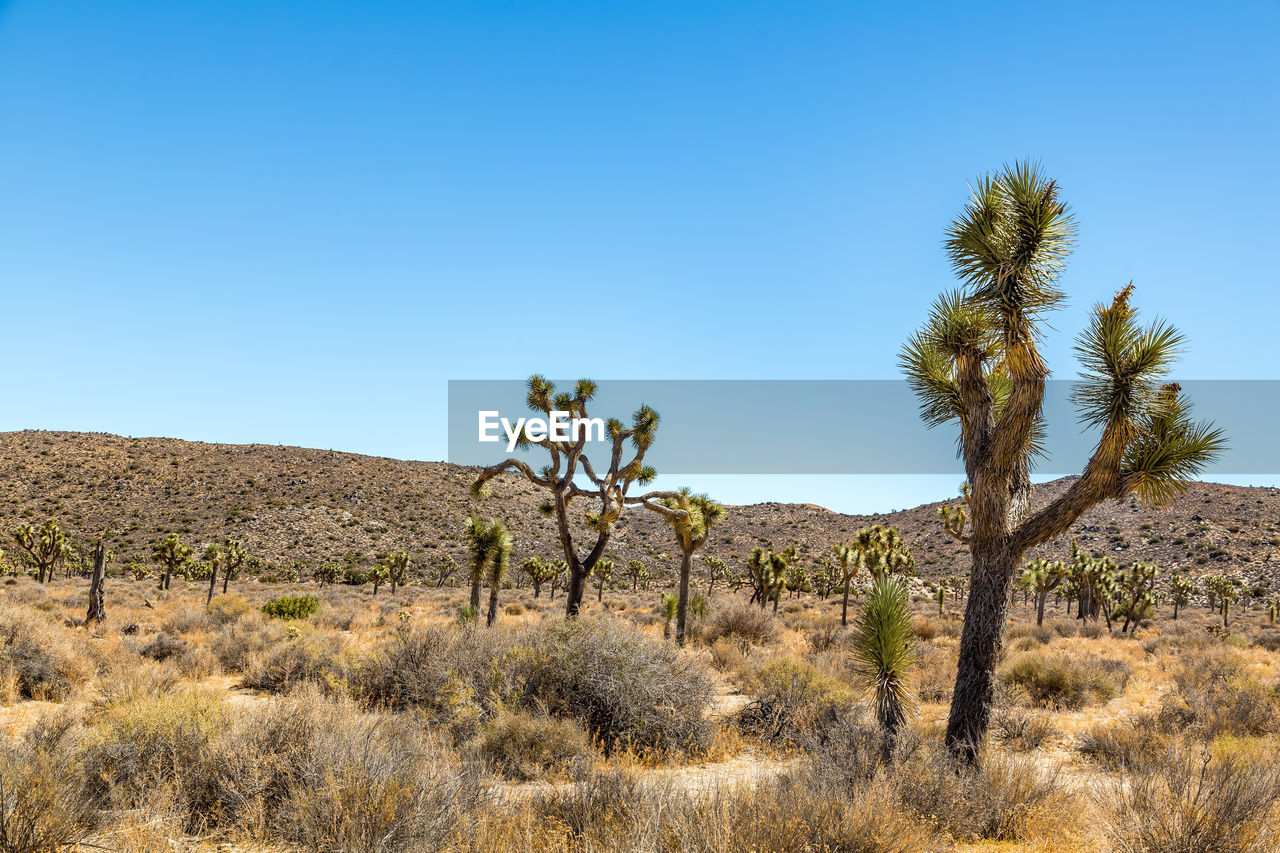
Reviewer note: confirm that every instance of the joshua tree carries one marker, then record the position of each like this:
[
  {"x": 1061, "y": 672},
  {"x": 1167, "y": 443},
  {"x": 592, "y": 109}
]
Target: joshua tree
[
  {"x": 1222, "y": 591},
  {"x": 691, "y": 517},
  {"x": 976, "y": 362},
  {"x": 46, "y": 547},
  {"x": 489, "y": 542},
  {"x": 1137, "y": 587},
  {"x": 884, "y": 654},
  {"x": 97, "y": 606},
  {"x": 797, "y": 577},
  {"x": 715, "y": 569},
  {"x": 397, "y": 569},
  {"x": 537, "y": 571},
  {"x": 571, "y": 475},
  {"x": 636, "y": 571},
  {"x": 377, "y": 574},
  {"x": 878, "y": 549},
  {"x": 558, "y": 570},
  {"x": 1180, "y": 590},
  {"x": 499, "y": 559},
  {"x": 1042, "y": 577},
  {"x": 603, "y": 572},
  {"x": 233, "y": 555},
  {"x": 172, "y": 556},
  {"x": 767, "y": 572},
  {"x": 213, "y": 555},
  {"x": 444, "y": 568},
  {"x": 326, "y": 573}
]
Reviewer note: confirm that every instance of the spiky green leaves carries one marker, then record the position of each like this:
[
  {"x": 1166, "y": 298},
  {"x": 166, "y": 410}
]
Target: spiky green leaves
[
  {"x": 884, "y": 652},
  {"x": 955, "y": 329},
  {"x": 1168, "y": 448},
  {"x": 1122, "y": 362},
  {"x": 490, "y": 546},
  {"x": 1010, "y": 246},
  {"x": 699, "y": 515}
]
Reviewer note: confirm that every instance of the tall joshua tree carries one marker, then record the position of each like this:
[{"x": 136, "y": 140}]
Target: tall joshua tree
[
  {"x": 172, "y": 556},
  {"x": 397, "y": 569},
  {"x": 46, "y": 547},
  {"x": 976, "y": 362},
  {"x": 691, "y": 517},
  {"x": 571, "y": 476}
]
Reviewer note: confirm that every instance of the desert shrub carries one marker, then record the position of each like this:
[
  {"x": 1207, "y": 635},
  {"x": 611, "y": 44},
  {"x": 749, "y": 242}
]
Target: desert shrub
[
  {"x": 291, "y": 607},
  {"x": 742, "y": 622},
  {"x": 1190, "y": 802},
  {"x": 936, "y": 673},
  {"x": 522, "y": 746},
  {"x": 186, "y": 620},
  {"x": 42, "y": 806},
  {"x": 824, "y": 637},
  {"x": 1214, "y": 694},
  {"x": 227, "y": 608},
  {"x": 1022, "y": 731},
  {"x": 794, "y": 702},
  {"x": 925, "y": 628},
  {"x": 623, "y": 687},
  {"x": 1132, "y": 743},
  {"x": 237, "y": 644},
  {"x": 163, "y": 647},
  {"x": 1061, "y": 682},
  {"x": 515, "y": 608},
  {"x": 35, "y": 661},
  {"x": 301, "y": 656},
  {"x": 1004, "y": 799},
  {"x": 145, "y": 741}
]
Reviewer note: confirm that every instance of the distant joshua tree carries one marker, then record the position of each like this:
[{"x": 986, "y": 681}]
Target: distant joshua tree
[
  {"x": 397, "y": 569},
  {"x": 499, "y": 558},
  {"x": 213, "y": 557},
  {"x": 603, "y": 573},
  {"x": 46, "y": 547},
  {"x": 691, "y": 517},
  {"x": 879, "y": 550},
  {"x": 172, "y": 556},
  {"x": 489, "y": 543},
  {"x": 715, "y": 569},
  {"x": 636, "y": 571},
  {"x": 976, "y": 362},
  {"x": 233, "y": 556},
  {"x": 445, "y": 567},
  {"x": 571, "y": 476},
  {"x": 538, "y": 571},
  {"x": 1042, "y": 577},
  {"x": 767, "y": 573},
  {"x": 1180, "y": 591}
]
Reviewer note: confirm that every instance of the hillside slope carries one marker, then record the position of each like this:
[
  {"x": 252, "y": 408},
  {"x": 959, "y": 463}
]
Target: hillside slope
[{"x": 290, "y": 503}]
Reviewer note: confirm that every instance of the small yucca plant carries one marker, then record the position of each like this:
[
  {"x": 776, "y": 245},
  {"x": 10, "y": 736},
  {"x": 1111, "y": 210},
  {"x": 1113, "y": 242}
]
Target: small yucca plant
[
  {"x": 670, "y": 604},
  {"x": 884, "y": 654}
]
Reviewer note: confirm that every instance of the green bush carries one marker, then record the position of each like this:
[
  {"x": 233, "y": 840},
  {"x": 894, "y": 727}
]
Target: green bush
[
  {"x": 1059, "y": 681},
  {"x": 291, "y": 607}
]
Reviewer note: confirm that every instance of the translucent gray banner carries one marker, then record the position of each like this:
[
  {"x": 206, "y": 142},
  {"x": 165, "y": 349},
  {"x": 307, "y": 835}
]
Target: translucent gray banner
[{"x": 854, "y": 426}]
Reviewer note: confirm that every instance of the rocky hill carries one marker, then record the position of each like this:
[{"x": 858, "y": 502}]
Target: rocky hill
[{"x": 292, "y": 504}]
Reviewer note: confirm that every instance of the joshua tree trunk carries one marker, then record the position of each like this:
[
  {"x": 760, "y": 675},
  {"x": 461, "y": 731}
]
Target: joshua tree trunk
[
  {"x": 980, "y": 645},
  {"x": 475, "y": 593},
  {"x": 213, "y": 583},
  {"x": 844, "y": 606},
  {"x": 493, "y": 605},
  {"x": 164, "y": 583},
  {"x": 1040, "y": 600},
  {"x": 682, "y": 606},
  {"x": 97, "y": 610}
]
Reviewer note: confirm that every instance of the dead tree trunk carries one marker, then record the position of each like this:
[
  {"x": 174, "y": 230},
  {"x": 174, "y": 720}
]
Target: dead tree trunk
[{"x": 97, "y": 608}]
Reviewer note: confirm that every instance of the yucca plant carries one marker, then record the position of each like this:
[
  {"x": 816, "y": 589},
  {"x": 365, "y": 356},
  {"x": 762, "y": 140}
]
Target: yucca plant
[
  {"x": 976, "y": 362},
  {"x": 670, "y": 605},
  {"x": 884, "y": 654},
  {"x": 940, "y": 596}
]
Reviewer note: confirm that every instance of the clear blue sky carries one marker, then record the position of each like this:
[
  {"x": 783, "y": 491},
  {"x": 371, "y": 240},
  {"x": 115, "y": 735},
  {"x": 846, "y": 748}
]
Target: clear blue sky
[{"x": 294, "y": 222}]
